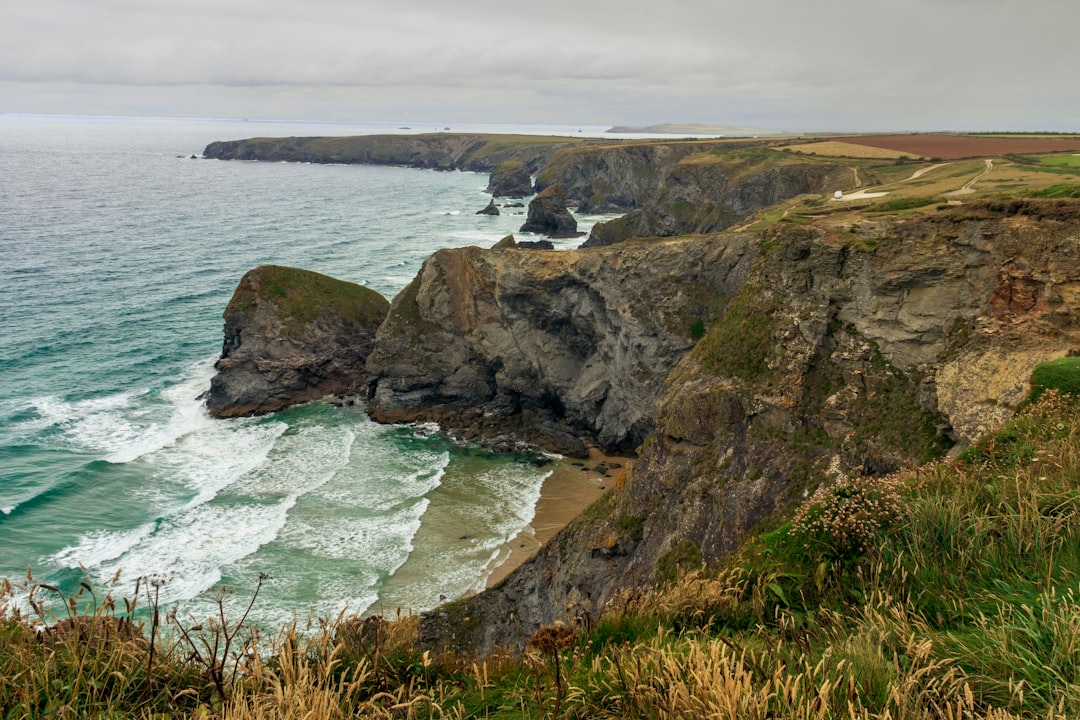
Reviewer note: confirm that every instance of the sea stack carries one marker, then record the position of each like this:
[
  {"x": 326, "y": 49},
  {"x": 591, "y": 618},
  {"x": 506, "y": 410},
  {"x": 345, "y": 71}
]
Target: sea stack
[
  {"x": 292, "y": 336},
  {"x": 548, "y": 215}
]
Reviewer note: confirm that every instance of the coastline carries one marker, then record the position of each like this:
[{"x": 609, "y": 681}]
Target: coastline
[{"x": 571, "y": 487}]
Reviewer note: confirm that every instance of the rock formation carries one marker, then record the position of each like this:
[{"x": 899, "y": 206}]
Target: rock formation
[
  {"x": 856, "y": 352},
  {"x": 549, "y": 216},
  {"x": 441, "y": 151},
  {"x": 510, "y": 179},
  {"x": 711, "y": 193},
  {"x": 292, "y": 336},
  {"x": 491, "y": 209},
  {"x": 536, "y": 245},
  {"x": 549, "y": 346}
]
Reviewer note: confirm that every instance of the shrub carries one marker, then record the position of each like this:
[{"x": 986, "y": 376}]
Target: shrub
[{"x": 843, "y": 520}]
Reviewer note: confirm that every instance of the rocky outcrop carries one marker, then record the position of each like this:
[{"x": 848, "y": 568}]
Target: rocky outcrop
[
  {"x": 510, "y": 179},
  {"x": 549, "y": 216},
  {"x": 551, "y": 347},
  {"x": 843, "y": 352},
  {"x": 615, "y": 177},
  {"x": 711, "y": 193},
  {"x": 491, "y": 209},
  {"x": 536, "y": 245},
  {"x": 292, "y": 336}
]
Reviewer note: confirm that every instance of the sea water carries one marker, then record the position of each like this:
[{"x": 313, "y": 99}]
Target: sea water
[{"x": 119, "y": 252}]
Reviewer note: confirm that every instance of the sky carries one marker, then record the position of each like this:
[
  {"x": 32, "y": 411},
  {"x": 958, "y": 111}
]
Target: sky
[{"x": 794, "y": 65}]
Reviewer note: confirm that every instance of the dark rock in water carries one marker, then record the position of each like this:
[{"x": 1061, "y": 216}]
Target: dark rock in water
[
  {"x": 511, "y": 179},
  {"x": 514, "y": 205},
  {"x": 292, "y": 336},
  {"x": 536, "y": 245},
  {"x": 491, "y": 209},
  {"x": 507, "y": 243},
  {"x": 549, "y": 216}
]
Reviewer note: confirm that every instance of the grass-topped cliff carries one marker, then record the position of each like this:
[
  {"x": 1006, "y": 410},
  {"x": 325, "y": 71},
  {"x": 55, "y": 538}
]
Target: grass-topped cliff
[
  {"x": 292, "y": 336},
  {"x": 302, "y": 295},
  {"x": 442, "y": 151},
  {"x": 948, "y": 590}
]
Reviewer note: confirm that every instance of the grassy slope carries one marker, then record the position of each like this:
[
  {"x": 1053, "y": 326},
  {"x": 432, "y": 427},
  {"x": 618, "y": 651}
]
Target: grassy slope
[
  {"x": 950, "y": 590},
  {"x": 302, "y": 295}
]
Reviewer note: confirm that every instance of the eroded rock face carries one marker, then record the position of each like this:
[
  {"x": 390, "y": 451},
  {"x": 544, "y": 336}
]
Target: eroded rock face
[
  {"x": 510, "y": 179},
  {"x": 713, "y": 194},
  {"x": 548, "y": 215},
  {"x": 292, "y": 336},
  {"x": 549, "y": 346},
  {"x": 839, "y": 355}
]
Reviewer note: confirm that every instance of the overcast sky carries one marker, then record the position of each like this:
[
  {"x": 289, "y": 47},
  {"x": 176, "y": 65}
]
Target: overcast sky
[{"x": 775, "y": 64}]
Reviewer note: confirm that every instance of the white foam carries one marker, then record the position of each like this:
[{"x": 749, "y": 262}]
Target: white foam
[
  {"x": 100, "y": 546},
  {"x": 193, "y": 544},
  {"x": 124, "y": 426},
  {"x": 192, "y": 547},
  {"x": 381, "y": 542}
]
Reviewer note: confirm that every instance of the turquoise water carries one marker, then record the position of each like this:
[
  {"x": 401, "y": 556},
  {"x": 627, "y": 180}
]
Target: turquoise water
[{"x": 119, "y": 254}]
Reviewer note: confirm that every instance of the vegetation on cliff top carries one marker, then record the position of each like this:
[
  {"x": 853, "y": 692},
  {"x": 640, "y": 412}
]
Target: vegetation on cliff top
[
  {"x": 303, "y": 295},
  {"x": 950, "y": 590}
]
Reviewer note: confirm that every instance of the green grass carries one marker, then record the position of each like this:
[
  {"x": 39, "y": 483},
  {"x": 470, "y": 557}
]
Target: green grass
[
  {"x": 303, "y": 295},
  {"x": 898, "y": 204},
  {"x": 1062, "y": 375},
  {"x": 737, "y": 343},
  {"x": 1061, "y": 190},
  {"x": 1066, "y": 160}
]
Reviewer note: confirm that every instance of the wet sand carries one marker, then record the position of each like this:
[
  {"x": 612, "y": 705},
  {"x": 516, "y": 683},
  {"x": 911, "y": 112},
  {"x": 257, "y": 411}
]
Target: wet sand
[{"x": 566, "y": 493}]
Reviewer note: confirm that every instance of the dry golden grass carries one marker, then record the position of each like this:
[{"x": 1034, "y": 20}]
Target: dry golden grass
[{"x": 833, "y": 148}]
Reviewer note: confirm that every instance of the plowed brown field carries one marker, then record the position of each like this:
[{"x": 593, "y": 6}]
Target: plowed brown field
[{"x": 951, "y": 147}]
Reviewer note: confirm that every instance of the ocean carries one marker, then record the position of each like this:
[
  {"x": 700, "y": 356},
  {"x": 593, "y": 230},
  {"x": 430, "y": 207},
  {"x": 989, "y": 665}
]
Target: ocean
[{"x": 120, "y": 252}]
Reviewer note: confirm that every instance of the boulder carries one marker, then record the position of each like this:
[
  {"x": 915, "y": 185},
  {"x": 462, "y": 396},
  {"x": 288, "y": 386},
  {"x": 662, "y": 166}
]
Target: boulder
[
  {"x": 491, "y": 209},
  {"x": 292, "y": 336},
  {"x": 536, "y": 245},
  {"x": 549, "y": 216}
]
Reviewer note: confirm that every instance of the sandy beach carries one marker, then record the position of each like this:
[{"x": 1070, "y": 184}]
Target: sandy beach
[{"x": 572, "y": 486}]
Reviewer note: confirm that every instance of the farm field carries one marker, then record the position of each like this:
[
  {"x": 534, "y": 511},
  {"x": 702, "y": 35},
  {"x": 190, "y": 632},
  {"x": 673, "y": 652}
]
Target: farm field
[{"x": 953, "y": 147}]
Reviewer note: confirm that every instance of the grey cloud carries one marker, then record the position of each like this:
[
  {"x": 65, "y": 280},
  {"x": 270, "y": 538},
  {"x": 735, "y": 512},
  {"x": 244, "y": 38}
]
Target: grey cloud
[{"x": 919, "y": 64}]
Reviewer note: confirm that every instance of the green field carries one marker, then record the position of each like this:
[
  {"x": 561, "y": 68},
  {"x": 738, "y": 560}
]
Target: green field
[{"x": 1066, "y": 160}]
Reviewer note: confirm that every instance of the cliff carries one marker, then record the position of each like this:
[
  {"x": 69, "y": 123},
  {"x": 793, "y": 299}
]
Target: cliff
[
  {"x": 549, "y": 346},
  {"x": 842, "y": 352},
  {"x": 442, "y": 151},
  {"x": 714, "y": 190},
  {"x": 292, "y": 336}
]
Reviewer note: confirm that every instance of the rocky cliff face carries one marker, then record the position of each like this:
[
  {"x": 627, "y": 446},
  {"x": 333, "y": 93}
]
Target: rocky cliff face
[
  {"x": 710, "y": 192},
  {"x": 292, "y": 336},
  {"x": 853, "y": 351},
  {"x": 549, "y": 346},
  {"x": 510, "y": 179},
  {"x": 442, "y": 151},
  {"x": 614, "y": 177}
]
